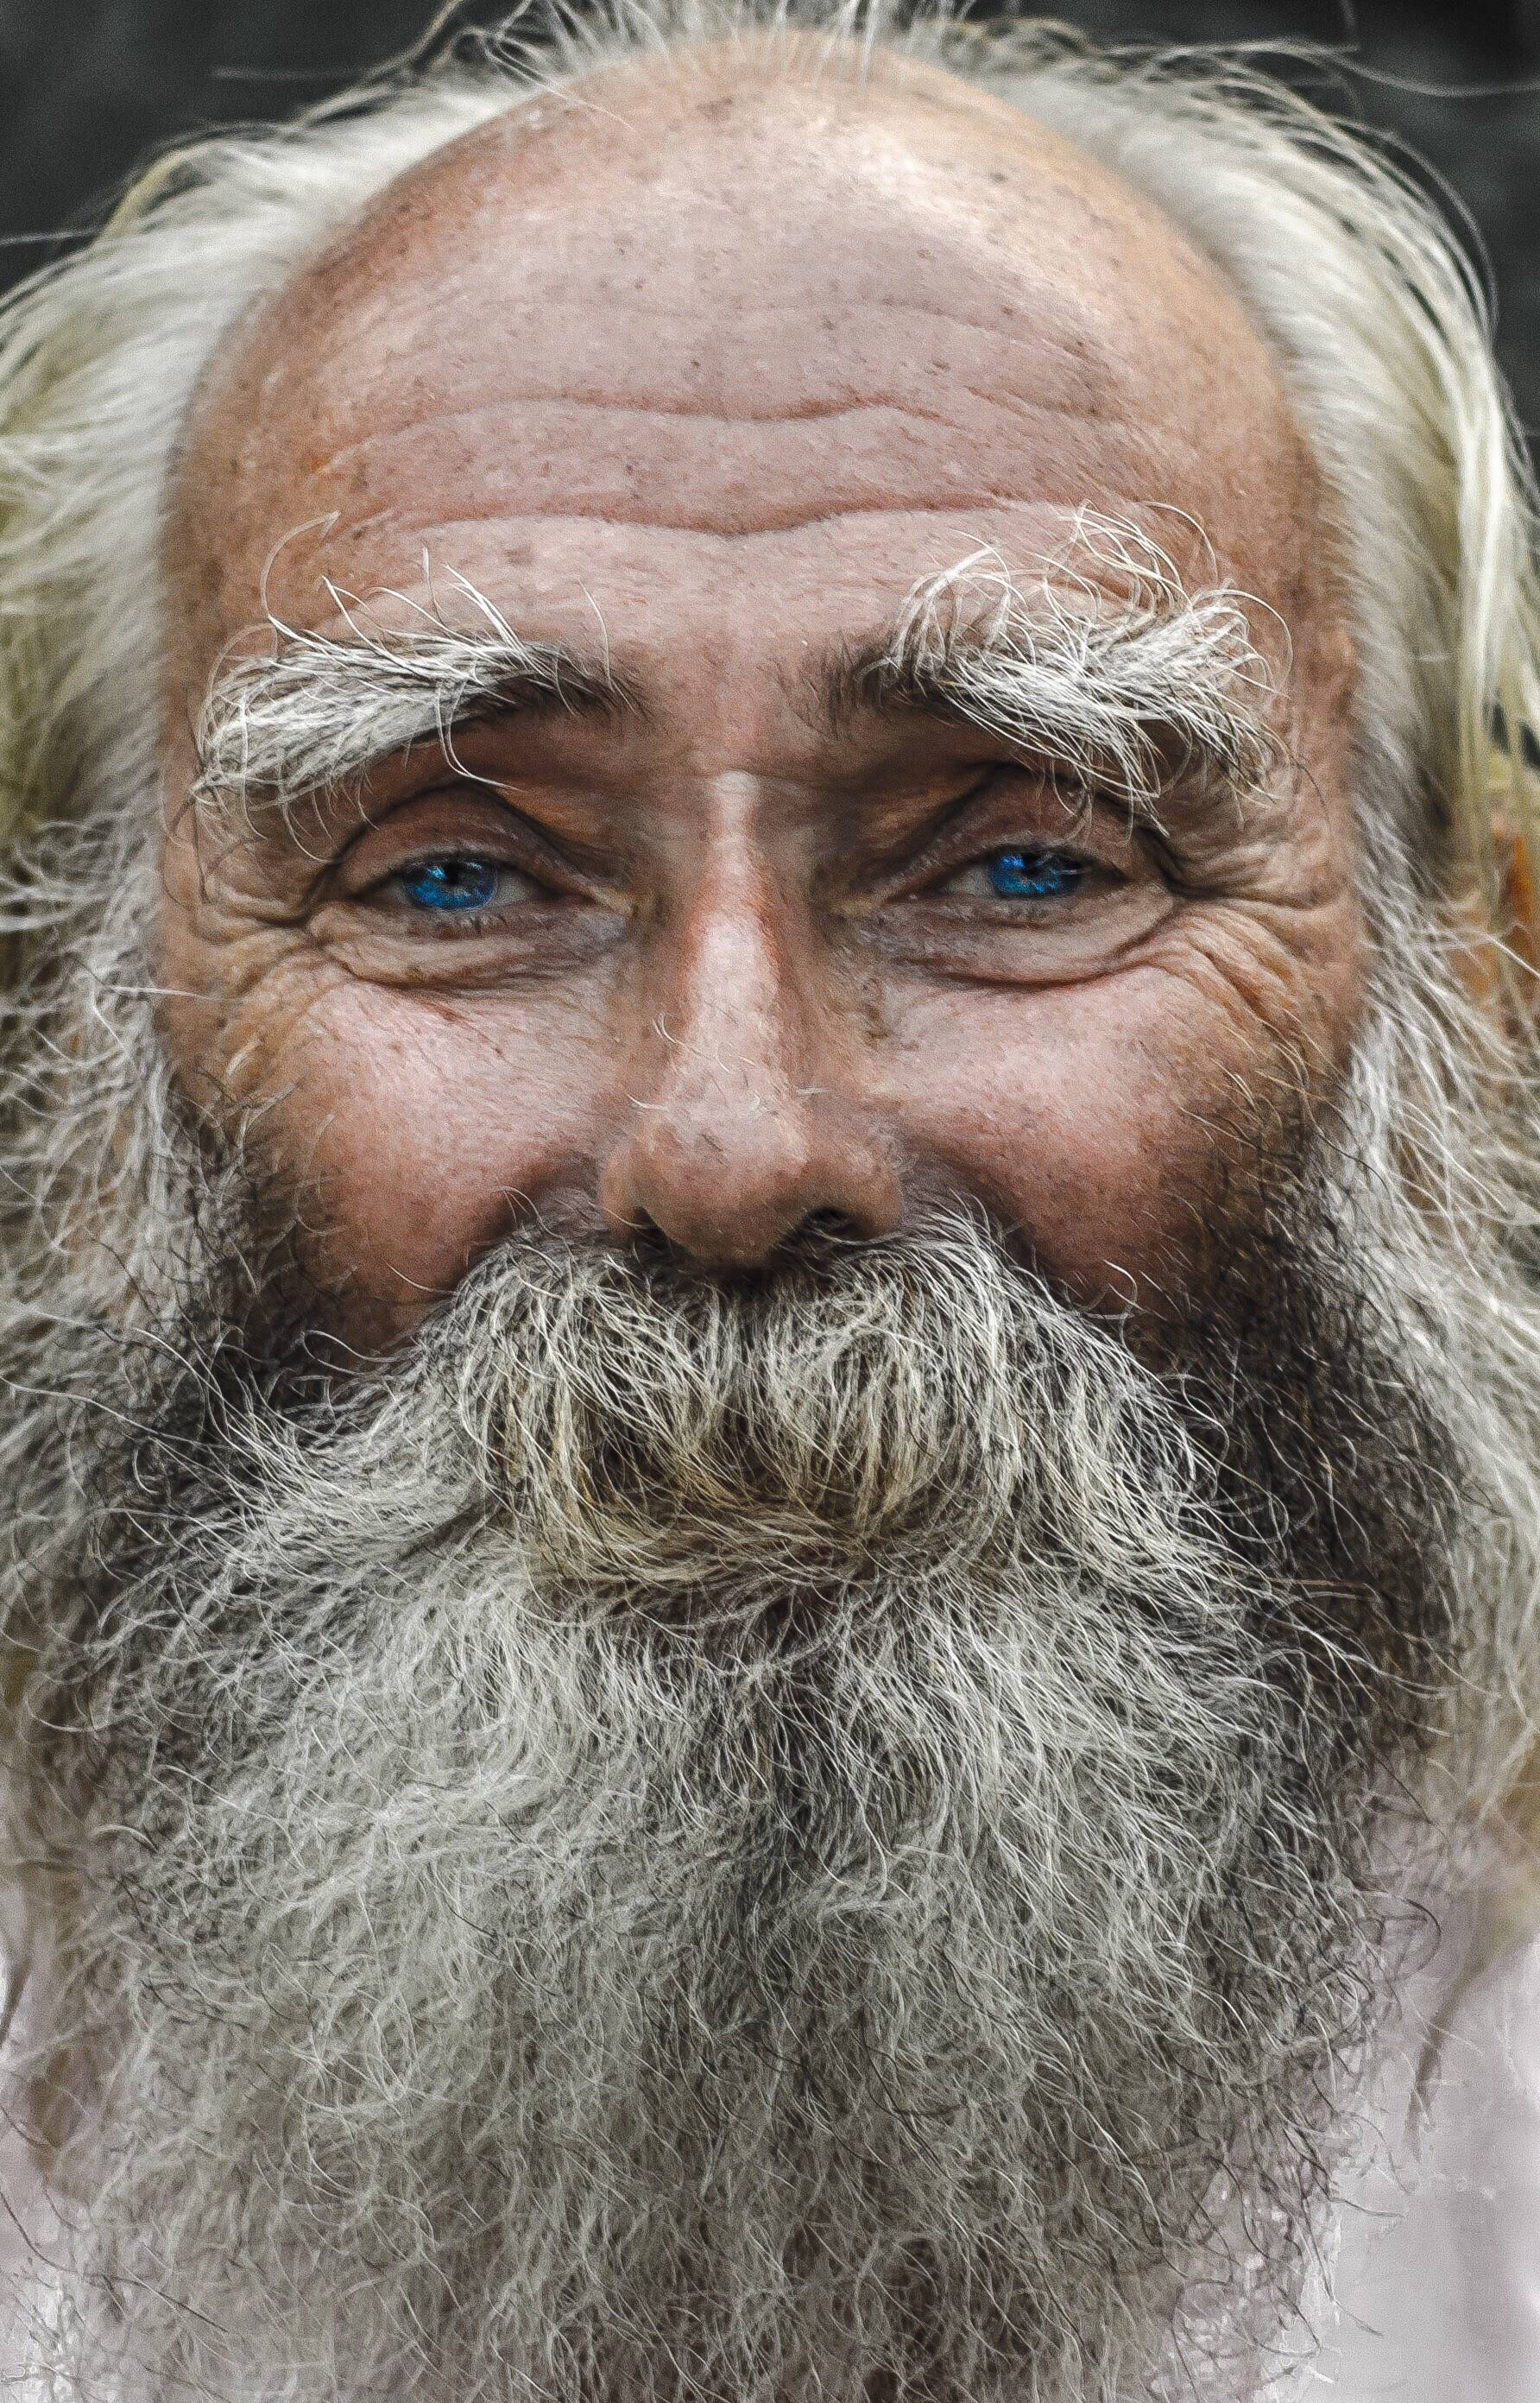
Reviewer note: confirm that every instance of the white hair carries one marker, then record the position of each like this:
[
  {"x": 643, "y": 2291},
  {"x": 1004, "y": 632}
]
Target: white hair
[{"x": 1377, "y": 320}]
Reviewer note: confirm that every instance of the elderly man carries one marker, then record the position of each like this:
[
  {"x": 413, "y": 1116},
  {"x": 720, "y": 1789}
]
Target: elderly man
[{"x": 770, "y": 1421}]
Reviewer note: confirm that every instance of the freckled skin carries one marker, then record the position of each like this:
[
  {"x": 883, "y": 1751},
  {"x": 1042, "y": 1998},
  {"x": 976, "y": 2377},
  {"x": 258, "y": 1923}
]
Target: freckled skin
[{"x": 721, "y": 364}]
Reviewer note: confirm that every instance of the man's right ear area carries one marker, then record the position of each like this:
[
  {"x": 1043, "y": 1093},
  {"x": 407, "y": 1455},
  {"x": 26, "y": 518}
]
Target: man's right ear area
[
  {"x": 1517, "y": 904},
  {"x": 1494, "y": 905}
]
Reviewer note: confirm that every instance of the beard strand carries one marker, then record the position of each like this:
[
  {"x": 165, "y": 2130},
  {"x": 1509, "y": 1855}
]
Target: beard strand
[{"x": 692, "y": 1840}]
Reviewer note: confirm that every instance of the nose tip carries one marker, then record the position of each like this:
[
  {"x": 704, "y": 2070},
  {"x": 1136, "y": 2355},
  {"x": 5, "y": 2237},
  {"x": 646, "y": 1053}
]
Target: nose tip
[
  {"x": 729, "y": 1190},
  {"x": 742, "y": 1117}
]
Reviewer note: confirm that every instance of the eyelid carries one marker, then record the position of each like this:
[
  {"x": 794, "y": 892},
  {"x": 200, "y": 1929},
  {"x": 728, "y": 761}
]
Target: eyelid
[
  {"x": 989, "y": 816},
  {"x": 929, "y": 875},
  {"x": 499, "y": 832}
]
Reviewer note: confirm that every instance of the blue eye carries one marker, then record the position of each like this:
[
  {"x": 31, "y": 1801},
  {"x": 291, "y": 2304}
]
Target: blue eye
[
  {"x": 1033, "y": 875},
  {"x": 449, "y": 884}
]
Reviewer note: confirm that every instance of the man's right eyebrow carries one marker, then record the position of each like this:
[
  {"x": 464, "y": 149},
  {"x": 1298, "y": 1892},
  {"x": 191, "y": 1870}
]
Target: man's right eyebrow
[{"x": 319, "y": 710}]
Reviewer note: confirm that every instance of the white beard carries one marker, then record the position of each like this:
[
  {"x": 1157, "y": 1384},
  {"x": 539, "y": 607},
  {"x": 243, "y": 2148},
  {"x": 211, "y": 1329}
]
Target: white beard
[{"x": 688, "y": 1844}]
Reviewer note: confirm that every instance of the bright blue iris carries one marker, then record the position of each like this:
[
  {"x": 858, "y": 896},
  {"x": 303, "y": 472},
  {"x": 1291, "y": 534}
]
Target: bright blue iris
[
  {"x": 1033, "y": 875},
  {"x": 451, "y": 884}
]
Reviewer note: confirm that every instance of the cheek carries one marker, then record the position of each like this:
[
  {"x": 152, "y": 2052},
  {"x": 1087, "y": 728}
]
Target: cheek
[
  {"x": 1097, "y": 1120},
  {"x": 421, "y": 1127}
]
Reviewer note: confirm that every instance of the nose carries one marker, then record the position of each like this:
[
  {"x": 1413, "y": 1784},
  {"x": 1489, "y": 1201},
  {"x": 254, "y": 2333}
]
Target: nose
[{"x": 738, "y": 1124}]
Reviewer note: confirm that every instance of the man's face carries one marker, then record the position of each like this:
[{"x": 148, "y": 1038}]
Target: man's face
[{"x": 696, "y": 383}]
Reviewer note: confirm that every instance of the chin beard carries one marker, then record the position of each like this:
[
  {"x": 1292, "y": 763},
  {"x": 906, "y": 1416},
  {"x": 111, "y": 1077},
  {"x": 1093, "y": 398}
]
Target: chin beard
[{"x": 738, "y": 1843}]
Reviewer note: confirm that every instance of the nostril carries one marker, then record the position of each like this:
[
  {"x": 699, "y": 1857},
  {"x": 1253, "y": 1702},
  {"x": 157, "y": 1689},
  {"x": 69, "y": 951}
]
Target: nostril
[
  {"x": 733, "y": 1186},
  {"x": 637, "y": 1225},
  {"x": 810, "y": 1241},
  {"x": 646, "y": 1241}
]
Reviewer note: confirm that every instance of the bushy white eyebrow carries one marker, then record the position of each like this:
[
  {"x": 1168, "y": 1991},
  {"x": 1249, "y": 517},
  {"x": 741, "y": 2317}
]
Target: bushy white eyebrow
[
  {"x": 1104, "y": 666},
  {"x": 317, "y": 711}
]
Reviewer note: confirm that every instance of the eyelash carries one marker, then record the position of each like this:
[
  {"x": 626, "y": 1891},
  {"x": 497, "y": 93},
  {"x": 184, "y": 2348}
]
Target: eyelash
[
  {"x": 1036, "y": 861},
  {"x": 450, "y": 918}
]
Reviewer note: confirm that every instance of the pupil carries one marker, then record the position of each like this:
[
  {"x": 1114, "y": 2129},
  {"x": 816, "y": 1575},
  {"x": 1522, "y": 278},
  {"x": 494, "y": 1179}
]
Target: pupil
[
  {"x": 1032, "y": 875},
  {"x": 451, "y": 884}
]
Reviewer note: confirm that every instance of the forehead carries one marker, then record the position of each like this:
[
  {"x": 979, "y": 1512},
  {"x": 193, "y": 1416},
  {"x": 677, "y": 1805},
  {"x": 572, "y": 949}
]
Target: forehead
[{"x": 719, "y": 348}]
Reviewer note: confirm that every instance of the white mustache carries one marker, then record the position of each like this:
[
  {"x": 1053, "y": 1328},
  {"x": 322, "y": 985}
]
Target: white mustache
[{"x": 923, "y": 1395}]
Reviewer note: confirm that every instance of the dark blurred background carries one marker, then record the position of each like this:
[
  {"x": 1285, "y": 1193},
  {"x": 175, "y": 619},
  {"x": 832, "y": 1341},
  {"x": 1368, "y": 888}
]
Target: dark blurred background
[{"x": 88, "y": 88}]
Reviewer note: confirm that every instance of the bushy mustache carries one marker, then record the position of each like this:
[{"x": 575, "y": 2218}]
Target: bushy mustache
[
  {"x": 920, "y": 1414},
  {"x": 917, "y": 1397}
]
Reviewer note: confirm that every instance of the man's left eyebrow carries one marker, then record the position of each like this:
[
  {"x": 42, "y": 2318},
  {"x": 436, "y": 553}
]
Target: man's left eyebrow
[
  {"x": 1138, "y": 699},
  {"x": 320, "y": 711}
]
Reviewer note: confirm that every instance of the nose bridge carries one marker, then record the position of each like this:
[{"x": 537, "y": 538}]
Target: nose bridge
[
  {"x": 729, "y": 1030},
  {"x": 739, "y": 1123}
]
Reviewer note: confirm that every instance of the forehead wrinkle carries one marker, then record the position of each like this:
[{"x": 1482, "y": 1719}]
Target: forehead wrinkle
[
  {"x": 406, "y": 269},
  {"x": 670, "y": 369},
  {"x": 799, "y": 462}
]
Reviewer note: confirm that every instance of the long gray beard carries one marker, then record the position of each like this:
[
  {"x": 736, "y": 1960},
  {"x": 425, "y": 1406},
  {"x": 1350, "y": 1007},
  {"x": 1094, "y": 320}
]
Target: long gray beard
[{"x": 730, "y": 1844}]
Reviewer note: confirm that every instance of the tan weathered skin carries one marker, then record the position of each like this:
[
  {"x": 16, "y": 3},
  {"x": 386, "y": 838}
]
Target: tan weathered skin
[{"x": 709, "y": 364}]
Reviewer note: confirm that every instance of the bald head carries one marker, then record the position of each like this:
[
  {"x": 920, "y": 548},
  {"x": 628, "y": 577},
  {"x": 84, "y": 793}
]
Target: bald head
[{"x": 747, "y": 291}]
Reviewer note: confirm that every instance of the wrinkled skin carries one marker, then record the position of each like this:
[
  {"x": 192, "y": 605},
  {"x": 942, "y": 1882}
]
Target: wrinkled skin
[{"x": 704, "y": 372}]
